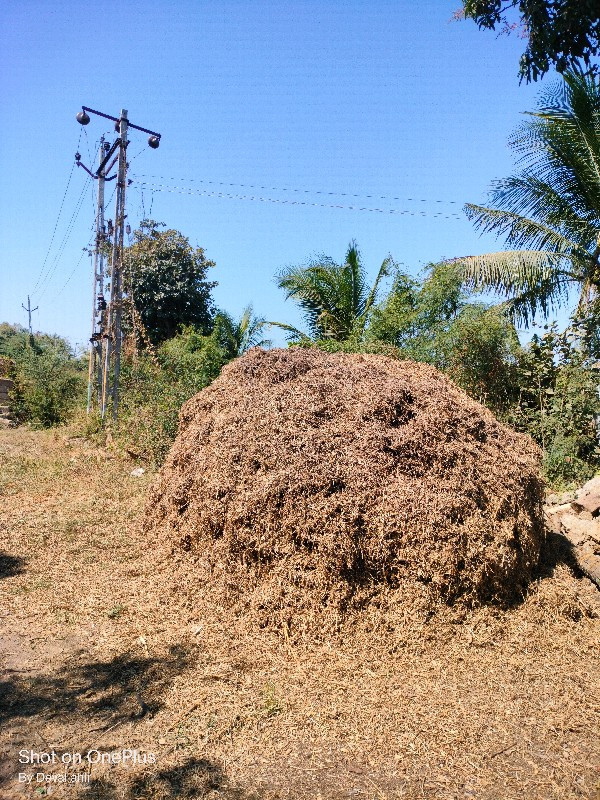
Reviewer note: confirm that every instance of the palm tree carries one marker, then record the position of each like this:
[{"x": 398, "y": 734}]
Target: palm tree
[
  {"x": 549, "y": 212},
  {"x": 335, "y": 298},
  {"x": 236, "y": 337}
]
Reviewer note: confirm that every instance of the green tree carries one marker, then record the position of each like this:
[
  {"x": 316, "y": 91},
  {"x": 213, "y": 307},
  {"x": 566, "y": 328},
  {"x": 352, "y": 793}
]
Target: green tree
[
  {"x": 550, "y": 211},
  {"x": 559, "y": 32},
  {"x": 558, "y": 402},
  {"x": 436, "y": 321},
  {"x": 335, "y": 298},
  {"x": 49, "y": 376},
  {"x": 238, "y": 336},
  {"x": 165, "y": 277}
]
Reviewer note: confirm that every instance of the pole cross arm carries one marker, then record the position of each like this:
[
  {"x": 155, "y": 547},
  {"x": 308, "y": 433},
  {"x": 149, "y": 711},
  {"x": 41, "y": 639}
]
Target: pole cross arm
[
  {"x": 89, "y": 171},
  {"x": 116, "y": 119}
]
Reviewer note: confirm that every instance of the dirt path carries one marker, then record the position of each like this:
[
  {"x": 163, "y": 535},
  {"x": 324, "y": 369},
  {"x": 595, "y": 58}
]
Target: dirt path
[{"x": 100, "y": 656}]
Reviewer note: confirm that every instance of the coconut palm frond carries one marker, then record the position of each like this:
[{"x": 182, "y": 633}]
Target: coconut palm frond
[
  {"x": 520, "y": 231},
  {"x": 354, "y": 280},
  {"x": 310, "y": 288},
  {"x": 531, "y": 280},
  {"x": 334, "y": 298},
  {"x": 555, "y": 206},
  {"x": 560, "y": 141},
  {"x": 250, "y": 329},
  {"x": 548, "y": 297},
  {"x": 384, "y": 271},
  {"x": 294, "y": 334}
]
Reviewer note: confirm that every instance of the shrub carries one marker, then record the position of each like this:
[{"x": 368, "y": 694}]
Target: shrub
[
  {"x": 155, "y": 386},
  {"x": 49, "y": 378}
]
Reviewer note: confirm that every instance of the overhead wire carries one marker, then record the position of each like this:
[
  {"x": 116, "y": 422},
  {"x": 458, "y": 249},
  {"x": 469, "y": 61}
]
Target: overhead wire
[
  {"x": 266, "y": 188},
  {"x": 62, "y": 202},
  {"x": 87, "y": 145},
  {"x": 44, "y": 285},
  {"x": 85, "y": 249},
  {"x": 255, "y": 198}
]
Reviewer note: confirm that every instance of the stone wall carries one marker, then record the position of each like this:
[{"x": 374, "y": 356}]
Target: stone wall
[{"x": 6, "y": 386}]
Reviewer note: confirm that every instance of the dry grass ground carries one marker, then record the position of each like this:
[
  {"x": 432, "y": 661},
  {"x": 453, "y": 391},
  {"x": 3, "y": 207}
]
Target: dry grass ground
[{"x": 99, "y": 652}]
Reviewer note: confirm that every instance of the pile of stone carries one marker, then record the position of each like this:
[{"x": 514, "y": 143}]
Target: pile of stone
[{"x": 576, "y": 515}]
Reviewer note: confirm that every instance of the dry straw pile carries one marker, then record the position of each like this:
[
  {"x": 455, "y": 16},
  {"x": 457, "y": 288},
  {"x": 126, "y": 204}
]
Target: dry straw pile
[{"x": 306, "y": 487}]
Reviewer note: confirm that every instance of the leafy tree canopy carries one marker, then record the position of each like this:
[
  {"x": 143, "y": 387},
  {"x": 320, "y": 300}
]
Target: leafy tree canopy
[
  {"x": 560, "y": 33},
  {"x": 435, "y": 321},
  {"x": 549, "y": 212},
  {"x": 165, "y": 277},
  {"x": 335, "y": 298}
]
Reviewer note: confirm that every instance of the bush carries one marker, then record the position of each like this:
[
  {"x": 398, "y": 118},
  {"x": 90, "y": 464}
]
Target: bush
[
  {"x": 562, "y": 464},
  {"x": 154, "y": 387},
  {"x": 49, "y": 378},
  {"x": 436, "y": 322},
  {"x": 559, "y": 405}
]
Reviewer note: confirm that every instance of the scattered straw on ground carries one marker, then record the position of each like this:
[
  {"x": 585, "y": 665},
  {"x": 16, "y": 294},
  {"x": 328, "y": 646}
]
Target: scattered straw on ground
[{"x": 99, "y": 652}]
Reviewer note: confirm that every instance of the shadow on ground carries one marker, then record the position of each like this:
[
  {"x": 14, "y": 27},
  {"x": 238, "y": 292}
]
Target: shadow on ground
[
  {"x": 557, "y": 549},
  {"x": 10, "y": 565},
  {"x": 197, "y": 778},
  {"x": 100, "y": 693}
]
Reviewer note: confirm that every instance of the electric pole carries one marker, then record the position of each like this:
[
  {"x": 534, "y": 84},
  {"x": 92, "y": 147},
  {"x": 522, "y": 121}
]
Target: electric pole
[
  {"x": 29, "y": 311},
  {"x": 106, "y": 339},
  {"x": 116, "y": 281},
  {"x": 98, "y": 301}
]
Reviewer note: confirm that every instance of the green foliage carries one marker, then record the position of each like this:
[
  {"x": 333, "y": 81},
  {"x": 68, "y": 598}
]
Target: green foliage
[
  {"x": 559, "y": 32},
  {"x": 237, "y": 336},
  {"x": 435, "y": 322},
  {"x": 335, "y": 298},
  {"x": 549, "y": 213},
  {"x": 154, "y": 389},
  {"x": 559, "y": 404},
  {"x": 166, "y": 279},
  {"x": 49, "y": 378}
]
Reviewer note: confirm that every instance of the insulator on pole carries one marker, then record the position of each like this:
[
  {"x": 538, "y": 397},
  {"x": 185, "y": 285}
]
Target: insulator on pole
[
  {"x": 153, "y": 141},
  {"x": 83, "y": 118}
]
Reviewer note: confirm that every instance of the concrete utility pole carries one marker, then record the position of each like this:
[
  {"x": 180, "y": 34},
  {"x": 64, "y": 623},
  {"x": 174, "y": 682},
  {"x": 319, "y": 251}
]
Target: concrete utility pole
[
  {"x": 106, "y": 340},
  {"x": 98, "y": 302},
  {"x": 115, "y": 307},
  {"x": 29, "y": 311}
]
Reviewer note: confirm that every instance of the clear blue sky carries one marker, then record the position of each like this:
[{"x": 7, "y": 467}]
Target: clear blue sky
[{"x": 367, "y": 98}]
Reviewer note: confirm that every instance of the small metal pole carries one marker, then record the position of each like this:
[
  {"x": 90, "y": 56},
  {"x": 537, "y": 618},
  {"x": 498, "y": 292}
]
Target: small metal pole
[{"x": 29, "y": 311}]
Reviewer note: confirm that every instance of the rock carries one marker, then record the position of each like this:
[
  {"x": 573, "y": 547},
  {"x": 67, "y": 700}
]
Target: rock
[
  {"x": 588, "y": 497},
  {"x": 137, "y": 472},
  {"x": 579, "y": 530},
  {"x": 554, "y": 514},
  {"x": 560, "y": 498}
]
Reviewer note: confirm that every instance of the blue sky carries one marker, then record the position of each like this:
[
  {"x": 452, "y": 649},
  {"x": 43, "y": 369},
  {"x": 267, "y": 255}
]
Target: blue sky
[{"x": 314, "y": 101}]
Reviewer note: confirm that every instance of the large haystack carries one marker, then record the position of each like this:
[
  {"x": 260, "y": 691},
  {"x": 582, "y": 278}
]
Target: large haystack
[{"x": 302, "y": 480}]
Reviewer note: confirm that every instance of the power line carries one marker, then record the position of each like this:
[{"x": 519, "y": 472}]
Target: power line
[
  {"x": 83, "y": 252},
  {"x": 52, "y": 269},
  {"x": 57, "y": 221},
  {"x": 255, "y": 198},
  {"x": 302, "y": 191},
  {"x": 107, "y": 335}
]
